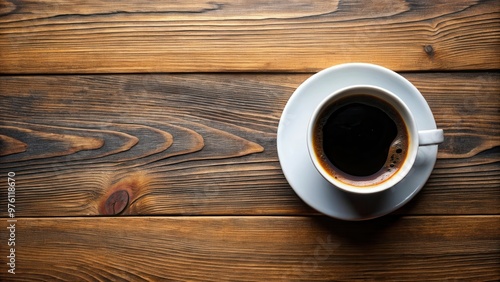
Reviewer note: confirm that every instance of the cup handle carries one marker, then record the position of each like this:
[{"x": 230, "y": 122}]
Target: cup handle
[{"x": 430, "y": 137}]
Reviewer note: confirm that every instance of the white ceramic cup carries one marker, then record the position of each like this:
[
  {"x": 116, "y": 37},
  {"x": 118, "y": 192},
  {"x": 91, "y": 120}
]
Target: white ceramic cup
[{"x": 416, "y": 138}]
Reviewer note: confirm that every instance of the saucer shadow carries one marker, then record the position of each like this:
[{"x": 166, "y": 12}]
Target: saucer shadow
[{"x": 360, "y": 233}]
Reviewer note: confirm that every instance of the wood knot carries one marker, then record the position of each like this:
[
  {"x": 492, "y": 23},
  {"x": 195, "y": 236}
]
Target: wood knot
[
  {"x": 121, "y": 195},
  {"x": 429, "y": 50},
  {"x": 116, "y": 203}
]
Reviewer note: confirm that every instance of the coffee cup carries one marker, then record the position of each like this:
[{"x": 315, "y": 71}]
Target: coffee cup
[{"x": 364, "y": 139}]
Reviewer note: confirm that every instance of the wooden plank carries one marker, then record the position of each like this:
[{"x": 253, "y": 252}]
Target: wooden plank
[
  {"x": 206, "y": 144},
  {"x": 243, "y": 35},
  {"x": 254, "y": 249}
]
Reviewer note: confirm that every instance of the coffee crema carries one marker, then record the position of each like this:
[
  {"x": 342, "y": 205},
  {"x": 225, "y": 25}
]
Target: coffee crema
[{"x": 360, "y": 140}]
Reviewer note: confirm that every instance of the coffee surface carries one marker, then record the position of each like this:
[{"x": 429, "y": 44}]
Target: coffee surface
[{"x": 362, "y": 140}]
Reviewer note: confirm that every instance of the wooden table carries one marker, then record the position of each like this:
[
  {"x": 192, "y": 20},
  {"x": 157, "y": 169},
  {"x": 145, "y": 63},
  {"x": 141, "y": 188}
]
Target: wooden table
[{"x": 142, "y": 136}]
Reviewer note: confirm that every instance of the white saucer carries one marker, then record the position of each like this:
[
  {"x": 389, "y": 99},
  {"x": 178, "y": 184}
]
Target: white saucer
[{"x": 298, "y": 168}]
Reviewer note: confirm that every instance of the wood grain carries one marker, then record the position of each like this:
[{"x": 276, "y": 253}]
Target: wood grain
[
  {"x": 255, "y": 249},
  {"x": 194, "y": 144},
  {"x": 241, "y": 35},
  {"x": 142, "y": 135}
]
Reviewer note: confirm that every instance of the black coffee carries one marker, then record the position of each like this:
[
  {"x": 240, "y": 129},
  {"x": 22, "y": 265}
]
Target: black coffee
[{"x": 362, "y": 140}]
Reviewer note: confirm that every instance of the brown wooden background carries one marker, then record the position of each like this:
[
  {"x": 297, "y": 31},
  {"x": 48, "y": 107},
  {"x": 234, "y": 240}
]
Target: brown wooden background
[{"x": 143, "y": 139}]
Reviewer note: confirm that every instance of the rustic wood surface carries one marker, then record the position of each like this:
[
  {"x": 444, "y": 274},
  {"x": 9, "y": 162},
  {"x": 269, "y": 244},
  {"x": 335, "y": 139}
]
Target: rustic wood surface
[
  {"x": 143, "y": 139},
  {"x": 253, "y": 248},
  {"x": 243, "y": 35},
  {"x": 196, "y": 144}
]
